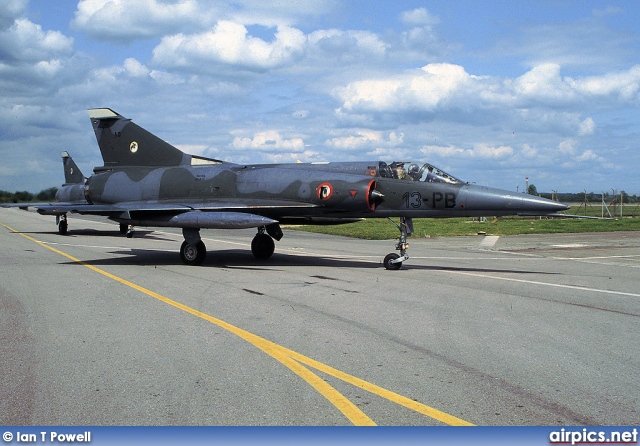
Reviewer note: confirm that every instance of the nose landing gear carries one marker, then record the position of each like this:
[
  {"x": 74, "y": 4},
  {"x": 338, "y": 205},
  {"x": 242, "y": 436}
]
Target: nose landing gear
[
  {"x": 393, "y": 261},
  {"x": 63, "y": 225}
]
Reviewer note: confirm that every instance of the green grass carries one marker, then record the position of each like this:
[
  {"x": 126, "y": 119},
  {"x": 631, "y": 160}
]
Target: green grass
[{"x": 382, "y": 229}]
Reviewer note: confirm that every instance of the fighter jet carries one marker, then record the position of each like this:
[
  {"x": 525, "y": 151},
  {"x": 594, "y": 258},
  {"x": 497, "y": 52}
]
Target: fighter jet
[
  {"x": 146, "y": 181},
  {"x": 71, "y": 192}
]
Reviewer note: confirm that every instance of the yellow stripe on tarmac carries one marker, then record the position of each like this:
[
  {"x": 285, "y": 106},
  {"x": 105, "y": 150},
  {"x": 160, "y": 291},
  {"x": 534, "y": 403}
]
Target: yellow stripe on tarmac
[{"x": 287, "y": 357}]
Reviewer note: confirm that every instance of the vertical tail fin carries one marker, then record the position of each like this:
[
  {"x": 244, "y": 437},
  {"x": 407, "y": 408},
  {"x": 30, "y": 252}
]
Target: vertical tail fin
[
  {"x": 123, "y": 143},
  {"x": 72, "y": 174}
]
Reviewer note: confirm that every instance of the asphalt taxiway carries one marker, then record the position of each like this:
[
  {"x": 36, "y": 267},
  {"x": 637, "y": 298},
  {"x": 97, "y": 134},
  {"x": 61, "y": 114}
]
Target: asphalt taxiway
[{"x": 98, "y": 329}]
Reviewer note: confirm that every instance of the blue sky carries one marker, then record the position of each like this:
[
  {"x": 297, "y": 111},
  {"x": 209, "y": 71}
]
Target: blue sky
[{"x": 490, "y": 91}]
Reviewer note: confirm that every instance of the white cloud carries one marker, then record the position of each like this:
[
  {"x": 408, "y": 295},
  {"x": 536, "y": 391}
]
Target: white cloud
[
  {"x": 442, "y": 151},
  {"x": 542, "y": 83},
  {"x": 164, "y": 78},
  {"x": 425, "y": 89},
  {"x": 421, "y": 41},
  {"x": 336, "y": 42},
  {"x": 135, "y": 68},
  {"x": 529, "y": 152},
  {"x": 229, "y": 43},
  {"x": 587, "y": 127},
  {"x": 488, "y": 151},
  {"x": 268, "y": 140},
  {"x": 419, "y": 16},
  {"x": 25, "y": 41},
  {"x": 125, "y": 20},
  {"x": 304, "y": 157},
  {"x": 588, "y": 155},
  {"x": 539, "y": 99},
  {"x": 48, "y": 68},
  {"x": 131, "y": 68},
  {"x": 33, "y": 61},
  {"x": 567, "y": 147},
  {"x": 480, "y": 150},
  {"x": 10, "y": 10},
  {"x": 625, "y": 85},
  {"x": 365, "y": 138}
]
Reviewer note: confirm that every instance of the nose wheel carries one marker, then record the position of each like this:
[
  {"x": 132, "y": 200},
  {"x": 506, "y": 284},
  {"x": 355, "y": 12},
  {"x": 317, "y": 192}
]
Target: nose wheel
[
  {"x": 63, "y": 224},
  {"x": 393, "y": 261}
]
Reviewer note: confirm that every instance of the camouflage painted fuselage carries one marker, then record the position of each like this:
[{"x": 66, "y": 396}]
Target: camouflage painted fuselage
[{"x": 290, "y": 193}]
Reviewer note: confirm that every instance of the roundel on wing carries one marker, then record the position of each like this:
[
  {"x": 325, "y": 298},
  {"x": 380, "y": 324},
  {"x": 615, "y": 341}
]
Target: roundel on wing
[{"x": 324, "y": 191}]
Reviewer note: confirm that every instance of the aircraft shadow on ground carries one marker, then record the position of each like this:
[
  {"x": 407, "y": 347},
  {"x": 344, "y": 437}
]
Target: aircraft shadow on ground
[
  {"x": 485, "y": 270},
  {"x": 244, "y": 260},
  {"x": 92, "y": 233},
  {"x": 147, "y": 234},
  {"x": 234, "y": 259}
]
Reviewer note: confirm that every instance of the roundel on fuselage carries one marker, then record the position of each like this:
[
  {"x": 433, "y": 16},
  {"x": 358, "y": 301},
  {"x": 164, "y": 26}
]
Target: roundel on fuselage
[{"x": 324, "y": 191}]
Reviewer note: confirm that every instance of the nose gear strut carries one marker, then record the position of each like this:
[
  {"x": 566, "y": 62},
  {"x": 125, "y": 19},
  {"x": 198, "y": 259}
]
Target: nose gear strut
[{"x": 394, "y": 261}]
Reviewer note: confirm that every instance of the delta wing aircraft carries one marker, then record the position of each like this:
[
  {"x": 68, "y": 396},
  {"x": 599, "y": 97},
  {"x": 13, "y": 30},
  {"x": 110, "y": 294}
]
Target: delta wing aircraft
[{"x": 146, "y": 181}]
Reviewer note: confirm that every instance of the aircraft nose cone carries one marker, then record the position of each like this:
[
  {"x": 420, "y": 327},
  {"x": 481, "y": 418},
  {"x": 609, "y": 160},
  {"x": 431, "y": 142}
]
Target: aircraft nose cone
[
  {"x": 539, "y": 204},
  {"x": 503, "y": 202}
]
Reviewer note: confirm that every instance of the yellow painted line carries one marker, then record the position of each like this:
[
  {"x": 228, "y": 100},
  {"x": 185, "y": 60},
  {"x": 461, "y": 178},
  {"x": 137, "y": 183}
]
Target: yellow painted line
[
  {"x": 380, "y": 391},
  {"x": 291, "y": 359}
]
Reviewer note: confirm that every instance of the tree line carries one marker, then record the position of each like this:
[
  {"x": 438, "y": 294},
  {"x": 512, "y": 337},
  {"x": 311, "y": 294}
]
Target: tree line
[
  {"x": 591, "y": 197},
  {"x": 25, "y": 197}
]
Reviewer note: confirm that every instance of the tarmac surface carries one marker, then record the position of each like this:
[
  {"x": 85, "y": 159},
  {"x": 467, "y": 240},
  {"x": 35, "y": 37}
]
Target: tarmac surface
[{"x": 98, "y": 329}]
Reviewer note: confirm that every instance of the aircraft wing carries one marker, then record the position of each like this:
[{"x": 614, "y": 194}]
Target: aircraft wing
[
  {"x": 50, "y": 206},
  {"x": 53, "y": 208},
  {"x": 200, "y": 214},
  {"x": 59, "y": 208}
]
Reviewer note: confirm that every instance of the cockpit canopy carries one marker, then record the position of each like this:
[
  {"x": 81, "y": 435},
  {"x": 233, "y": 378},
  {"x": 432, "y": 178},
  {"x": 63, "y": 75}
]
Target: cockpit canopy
[{"x": 415, "y": 172}]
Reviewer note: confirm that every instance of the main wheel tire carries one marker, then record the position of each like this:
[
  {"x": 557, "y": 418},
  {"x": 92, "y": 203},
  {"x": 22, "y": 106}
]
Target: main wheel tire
[
  {"x": 124, "y": 228},
  {"x": 262, "y": 246},
  {"x": 63, "y": 227},
  {"x": 392, "y": 266},
  {"x": 193, "y": 254}
]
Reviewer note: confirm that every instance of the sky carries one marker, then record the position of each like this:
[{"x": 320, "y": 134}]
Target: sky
[{"x": 492, "y": 92}]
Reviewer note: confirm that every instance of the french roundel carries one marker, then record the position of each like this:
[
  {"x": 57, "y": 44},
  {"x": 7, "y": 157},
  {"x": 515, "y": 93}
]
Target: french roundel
[{"x": 324, "y": 191}]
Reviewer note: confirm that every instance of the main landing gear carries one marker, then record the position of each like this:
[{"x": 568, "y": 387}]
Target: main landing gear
[
  {"x": 193, "y": 251},
  {"x": 262, "y": 245},
  {"x": 393, "y": 261}
]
